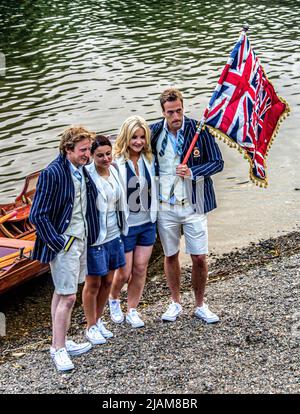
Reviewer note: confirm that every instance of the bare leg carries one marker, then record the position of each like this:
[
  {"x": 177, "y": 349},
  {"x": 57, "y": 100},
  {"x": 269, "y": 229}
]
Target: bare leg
[
  {"x": 54, "y": 303},
  {"x": 199, "y": 277},
  {"x": 173, "y": 275},
  {"x": 90, "y": 292},
  {"x": 103, "y": 293},
  {"x": 137, "y": 281},
  {"x": 62, "y": 319},
  {"x": 121, "y": 277}
]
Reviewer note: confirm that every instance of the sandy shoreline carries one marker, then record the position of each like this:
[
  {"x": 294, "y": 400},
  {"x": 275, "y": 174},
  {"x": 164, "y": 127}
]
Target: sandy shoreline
[{"x": 256, "y": 296}]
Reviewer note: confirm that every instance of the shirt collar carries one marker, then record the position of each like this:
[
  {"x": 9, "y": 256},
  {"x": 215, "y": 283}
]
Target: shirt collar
[{"x": 73, "y": 168}]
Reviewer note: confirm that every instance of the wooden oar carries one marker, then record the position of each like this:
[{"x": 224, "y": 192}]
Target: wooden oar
[
  {"x": 3, "y": 219},
  {"x": 20, "y": 213},
  {"x": 30, "y": 237}
]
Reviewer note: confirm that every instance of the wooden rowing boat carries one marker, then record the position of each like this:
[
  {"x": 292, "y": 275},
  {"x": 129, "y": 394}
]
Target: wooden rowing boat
[{"x": 17, "y": 236}]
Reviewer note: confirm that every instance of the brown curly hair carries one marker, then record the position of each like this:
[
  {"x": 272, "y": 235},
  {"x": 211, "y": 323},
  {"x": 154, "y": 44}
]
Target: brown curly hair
[{"x": 71, "y": 136}]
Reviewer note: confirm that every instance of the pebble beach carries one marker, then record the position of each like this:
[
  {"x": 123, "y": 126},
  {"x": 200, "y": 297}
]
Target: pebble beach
[{"x": 253, "y": 349}]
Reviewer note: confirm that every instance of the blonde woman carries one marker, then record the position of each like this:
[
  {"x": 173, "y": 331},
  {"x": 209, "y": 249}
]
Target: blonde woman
[{"x": 133, "y": 156}]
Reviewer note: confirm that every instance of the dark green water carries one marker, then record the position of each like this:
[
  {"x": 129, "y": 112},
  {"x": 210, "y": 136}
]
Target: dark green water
[{"x": 97, "y": 62}]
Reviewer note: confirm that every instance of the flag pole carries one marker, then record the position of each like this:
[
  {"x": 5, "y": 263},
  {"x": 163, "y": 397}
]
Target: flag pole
[{"x": 201, "y": 123}]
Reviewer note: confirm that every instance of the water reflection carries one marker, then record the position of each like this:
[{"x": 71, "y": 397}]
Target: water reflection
[{"x": 97, "y": 62}]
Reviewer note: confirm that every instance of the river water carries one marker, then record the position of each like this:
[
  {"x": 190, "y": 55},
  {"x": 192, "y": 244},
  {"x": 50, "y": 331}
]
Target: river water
[{"x": 97, "y": 62}]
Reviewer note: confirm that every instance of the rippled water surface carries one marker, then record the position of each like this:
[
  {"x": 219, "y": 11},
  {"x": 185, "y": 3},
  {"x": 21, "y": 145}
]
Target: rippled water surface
[{"x": 96, "y": 62}]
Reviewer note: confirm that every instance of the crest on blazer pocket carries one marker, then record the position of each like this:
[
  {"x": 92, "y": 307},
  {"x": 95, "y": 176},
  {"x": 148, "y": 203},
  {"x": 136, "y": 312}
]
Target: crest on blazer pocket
[{"x": 196, "y": 152}]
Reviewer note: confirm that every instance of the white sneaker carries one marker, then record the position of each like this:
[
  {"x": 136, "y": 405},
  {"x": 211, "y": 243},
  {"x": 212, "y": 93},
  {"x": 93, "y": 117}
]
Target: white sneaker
[
  {"x": 105, "y": 332},
  {"x": 133, "y": 318},
  {"x": 172, "y": 312},
  {"x": 94, "y": 335},
  {"x": 204, "y": 313},
  {"x": 74, "y": 349},
  {"x": 116, "y": 313},
  {"x": 62, "y": 360}
]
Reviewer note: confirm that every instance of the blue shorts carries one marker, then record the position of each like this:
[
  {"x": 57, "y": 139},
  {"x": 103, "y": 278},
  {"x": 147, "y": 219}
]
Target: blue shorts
[
  {"x": 105, "y": 257},
  {"x": 143, "y": 235}
]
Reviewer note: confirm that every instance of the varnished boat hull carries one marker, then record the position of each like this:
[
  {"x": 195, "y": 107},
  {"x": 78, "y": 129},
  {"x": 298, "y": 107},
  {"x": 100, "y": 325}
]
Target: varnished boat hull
[
  {"x": 17, "y": 236},
  {"x": 21, "y": 271}
]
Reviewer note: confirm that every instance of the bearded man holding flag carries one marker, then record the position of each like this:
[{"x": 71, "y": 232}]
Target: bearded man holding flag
[
  {"x": 245, "y": 112},
  {"x": 185, "y": 201}
]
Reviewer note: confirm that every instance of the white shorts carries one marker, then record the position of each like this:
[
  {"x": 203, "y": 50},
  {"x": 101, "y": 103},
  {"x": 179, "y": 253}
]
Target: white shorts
[
  {"x": 69, "y": 268},
  {"x": 169, "y": 222}
]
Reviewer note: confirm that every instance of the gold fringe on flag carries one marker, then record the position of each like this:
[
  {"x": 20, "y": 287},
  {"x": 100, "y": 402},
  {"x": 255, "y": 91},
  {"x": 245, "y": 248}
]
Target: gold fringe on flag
[{"x": 263, "y": 183}]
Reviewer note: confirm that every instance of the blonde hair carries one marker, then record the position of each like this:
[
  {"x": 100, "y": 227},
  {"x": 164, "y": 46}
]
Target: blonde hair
[
  {"x": 71, "y": 136},
  {"x": 127, "y": 131}
]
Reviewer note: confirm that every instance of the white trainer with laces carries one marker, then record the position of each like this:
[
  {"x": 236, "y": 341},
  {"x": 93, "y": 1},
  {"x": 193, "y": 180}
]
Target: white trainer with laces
[
  {"x": 134, "y": 319},
  {"x": 205, "y": 314},
  {"x": 173, "y": 311},
  {"x": 94, "y": 335},
  {"x": 74, "y": 349},
  {"x": 62, "y": 360},
  {"x": 103, "y": 330},
  {"x": 116, "y": 313}
]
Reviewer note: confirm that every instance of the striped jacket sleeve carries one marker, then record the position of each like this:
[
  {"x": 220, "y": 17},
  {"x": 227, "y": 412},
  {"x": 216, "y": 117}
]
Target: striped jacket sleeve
[
  {"x": 43, "y": 205},
  {"x": 212, "y": 157}
]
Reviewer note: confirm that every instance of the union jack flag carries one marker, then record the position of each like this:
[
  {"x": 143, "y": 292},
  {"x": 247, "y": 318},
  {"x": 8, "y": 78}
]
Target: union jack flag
[{"x": 244, "y": 108}]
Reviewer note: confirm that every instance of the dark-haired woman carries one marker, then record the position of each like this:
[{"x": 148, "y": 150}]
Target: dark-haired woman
[{"x": 107, "y": 253}]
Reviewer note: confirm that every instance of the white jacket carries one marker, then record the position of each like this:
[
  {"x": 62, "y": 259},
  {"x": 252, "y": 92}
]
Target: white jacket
[
  {"x": 102, "y": 204},
  {"x": 120, "y": 161}
]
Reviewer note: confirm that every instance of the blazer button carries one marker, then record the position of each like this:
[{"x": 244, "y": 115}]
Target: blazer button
[{"x": 67, "y": 221}]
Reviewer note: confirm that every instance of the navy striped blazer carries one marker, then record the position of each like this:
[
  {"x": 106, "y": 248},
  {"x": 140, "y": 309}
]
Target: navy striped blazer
[
  {"x": 52, "y": 207},
  {"x": 208, "y": 163}
]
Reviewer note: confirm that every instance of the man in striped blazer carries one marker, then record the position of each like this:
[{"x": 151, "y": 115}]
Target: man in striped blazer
[
  {"x": 65, "y": 216},
  {"x": 186, "y": 196}
]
